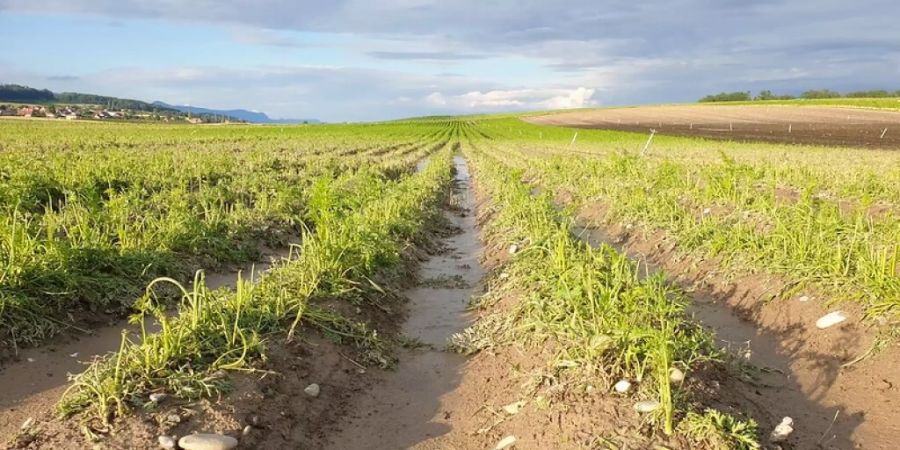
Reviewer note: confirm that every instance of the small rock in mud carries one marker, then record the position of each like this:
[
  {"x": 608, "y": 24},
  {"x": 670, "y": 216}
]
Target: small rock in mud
[
  {"x": 157, "y": 397},
  {"x": 782, "y": 430},
  {"x": 646, "y": 406},
  {"x": 622, "y": 386},
  {"x": 804, "y": 298},
  {"x": 513, "y": 249},
  {"x": 173, "y": 418},
  {"x": 505, "y": 443},
  {"x": 254, "y": 420},
  {"x": 246, "y": 430},
  {"x": 312, "y": 390},
  {"x": 830, "y": 319},
  {"x": 166, "y": 442},
  {"x": 514, "y": 407},
  {"x": 207, "y": 441},
  {"x": 676, "y": 375},
  {"x": 28, "y": 423}
]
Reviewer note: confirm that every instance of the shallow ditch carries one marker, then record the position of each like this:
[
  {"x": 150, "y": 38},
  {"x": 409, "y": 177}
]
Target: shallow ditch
[{"x": 404, "y": 407}]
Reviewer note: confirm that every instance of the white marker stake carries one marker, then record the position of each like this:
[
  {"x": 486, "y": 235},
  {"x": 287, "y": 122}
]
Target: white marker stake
[
  {"x": 883, "y": 133},
  {"x": 730, "y": 126},
  {"x": 692, "y": 126},
  {"x": 789, "y": 127},
  {"x": 649, "y": 140},
  {"x": 573, "y": 138}
]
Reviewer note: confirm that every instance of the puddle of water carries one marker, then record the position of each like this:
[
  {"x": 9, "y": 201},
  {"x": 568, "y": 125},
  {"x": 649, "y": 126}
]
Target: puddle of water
[
  {"x": 404, "y": 407},
  {"x": 35, "y": 383}
]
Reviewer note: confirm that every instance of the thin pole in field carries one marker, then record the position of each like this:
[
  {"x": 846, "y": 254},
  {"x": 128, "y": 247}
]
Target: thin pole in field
[
  {"x": 574, "y": 138},
  {"x": 789, "y": 127},
  {"x": 730, "y": 126},
  {"x": 649, "y": 140},
  {"x": 883, "y": 133}
]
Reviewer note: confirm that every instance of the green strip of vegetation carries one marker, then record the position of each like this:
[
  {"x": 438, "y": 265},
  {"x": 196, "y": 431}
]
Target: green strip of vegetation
[
  {"x": 591, "y": 306},
  {"x": 227, "y": 330}
]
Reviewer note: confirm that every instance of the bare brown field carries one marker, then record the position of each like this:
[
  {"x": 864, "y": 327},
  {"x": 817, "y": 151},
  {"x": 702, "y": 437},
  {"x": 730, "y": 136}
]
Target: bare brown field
[{"x": 817, "y": 125}]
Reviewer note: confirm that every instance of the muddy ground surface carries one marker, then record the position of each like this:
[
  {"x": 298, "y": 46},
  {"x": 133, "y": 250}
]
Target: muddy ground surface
[
  {"x": 819, "y": 125},
  {"x": 839, "y": 394},
  {"x": 34, "y": 380}
]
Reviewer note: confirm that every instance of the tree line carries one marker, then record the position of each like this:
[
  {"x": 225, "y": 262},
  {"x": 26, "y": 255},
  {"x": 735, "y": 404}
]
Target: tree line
[{"x": 745, "y": 96}]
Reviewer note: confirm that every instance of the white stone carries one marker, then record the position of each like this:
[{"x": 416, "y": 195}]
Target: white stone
[
  {"x": 622, "y": 386},
  {"x": 207, "y": 441},
  {"x": 166, "y": 442},
  {"x": 514, "y": 407},
  {"x": 646, "y": 406},
  {"x": 513, "y": 249},
  {"x": 676, "y": 375},
  {"x": 805, "y": 298},
  {"x": 157, "y": 397},
  {"x": 782, "y": 430},
  {"x": 830, "y": 319},
  {"x": 505, "y": 443},
  {"x": 312, "y": 390}
]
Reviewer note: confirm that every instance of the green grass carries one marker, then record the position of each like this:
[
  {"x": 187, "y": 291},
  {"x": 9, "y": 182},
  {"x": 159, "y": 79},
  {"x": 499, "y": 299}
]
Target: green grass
[
  {"x": 91, "y": 212},
  {"x": 815, "y": 216},
  {"x": 362, "y": 224}
]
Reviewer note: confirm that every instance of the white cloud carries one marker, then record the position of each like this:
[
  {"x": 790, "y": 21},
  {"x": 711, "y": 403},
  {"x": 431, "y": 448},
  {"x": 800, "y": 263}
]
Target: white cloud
[{"x": 515, "y": 99}]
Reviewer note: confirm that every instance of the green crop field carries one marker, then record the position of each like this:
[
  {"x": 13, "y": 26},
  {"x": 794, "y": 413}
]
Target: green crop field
[{"x": 105, "y": 221}]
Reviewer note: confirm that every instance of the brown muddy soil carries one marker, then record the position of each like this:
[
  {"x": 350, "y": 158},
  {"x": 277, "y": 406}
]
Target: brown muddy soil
[
  {"x": 32, "y": 383},
  {"x": 840, "y": 394},
  {"x": 816, "y": 125}
]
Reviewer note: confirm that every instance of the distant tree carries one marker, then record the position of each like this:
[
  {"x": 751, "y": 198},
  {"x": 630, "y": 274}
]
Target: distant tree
[
  {"x": 768, "y": 95},
  {"x": 821, "y": 93},
  {"x": 869, "y": 94},
  {"x": 24, "y": 94},
  {"x": 727, "y": 97}
]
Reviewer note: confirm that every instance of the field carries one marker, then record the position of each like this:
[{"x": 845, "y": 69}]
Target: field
[
  {"x": 453, "y": 282},
  {"x": 771, "y": 121}
]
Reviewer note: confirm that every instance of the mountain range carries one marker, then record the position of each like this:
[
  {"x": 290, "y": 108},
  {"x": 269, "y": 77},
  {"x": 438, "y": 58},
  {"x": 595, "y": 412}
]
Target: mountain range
[{"x": 242, "y": 114}]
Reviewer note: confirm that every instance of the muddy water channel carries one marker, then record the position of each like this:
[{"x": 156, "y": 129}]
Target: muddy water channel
[
  {"x": 404, "y": 407},
  {"x": 35, "y": 382}
]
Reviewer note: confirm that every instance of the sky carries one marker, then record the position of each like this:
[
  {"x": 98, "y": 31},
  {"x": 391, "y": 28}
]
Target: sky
[{"x": 362, "y": 60}]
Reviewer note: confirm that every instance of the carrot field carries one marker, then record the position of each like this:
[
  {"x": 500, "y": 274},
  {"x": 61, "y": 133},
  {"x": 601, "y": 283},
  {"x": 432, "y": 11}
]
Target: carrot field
[{"x": 620, "y": 274}]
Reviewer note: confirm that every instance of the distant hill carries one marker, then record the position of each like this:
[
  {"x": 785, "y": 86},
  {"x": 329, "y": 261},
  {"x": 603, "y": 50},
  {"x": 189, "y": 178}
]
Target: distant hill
[
  {"x": 242, "y": 114},
  {"x": 24, "y": 94}
]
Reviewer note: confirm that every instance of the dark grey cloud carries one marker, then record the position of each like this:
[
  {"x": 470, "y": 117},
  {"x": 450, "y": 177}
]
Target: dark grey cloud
[{"x": 630, "y": 52}]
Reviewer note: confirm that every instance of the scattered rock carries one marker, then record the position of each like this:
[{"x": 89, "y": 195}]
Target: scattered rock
[
  {"x": 782, "y": 430},
  {"x": 676, "y": 375},
  {"x": 157, "y": 397},
  {"x": 805, "y": 298},
  {"x": 506, "y": 442},
  {"x": 246, "y": 430},
  {"x": 74, "y": 355},
  {"x": 514, "y": 407},
  {"x": 207, "y": 441},
  {"x": 706, "y": 211},
  {"x": 646, "y": 406},
  {"x": 830, "y": 319},
  {"x": 28, "y": 423},
  {"x": 513, "y": 249},
  {"x": 504, "y": 276},
  {"x": 312, "y": 390},
  {"x": 173, "y": 418},
  {"x": 166, "y": 442},
  {"x": 622, "y": 386},
  {"x": 254, "y": 420},
  {"x": 31, "y": 360}
]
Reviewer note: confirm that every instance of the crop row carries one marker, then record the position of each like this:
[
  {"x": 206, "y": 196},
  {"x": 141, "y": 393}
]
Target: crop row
[{"x": 590, "y": 305}]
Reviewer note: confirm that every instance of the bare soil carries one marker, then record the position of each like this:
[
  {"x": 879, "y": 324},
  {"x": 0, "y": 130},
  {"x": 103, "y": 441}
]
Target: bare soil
[{"x": 818, "y": 125}]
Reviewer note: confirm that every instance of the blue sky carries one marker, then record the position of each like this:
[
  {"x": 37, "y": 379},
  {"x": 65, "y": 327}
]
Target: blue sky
[{"x": 366, "y": 60}]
